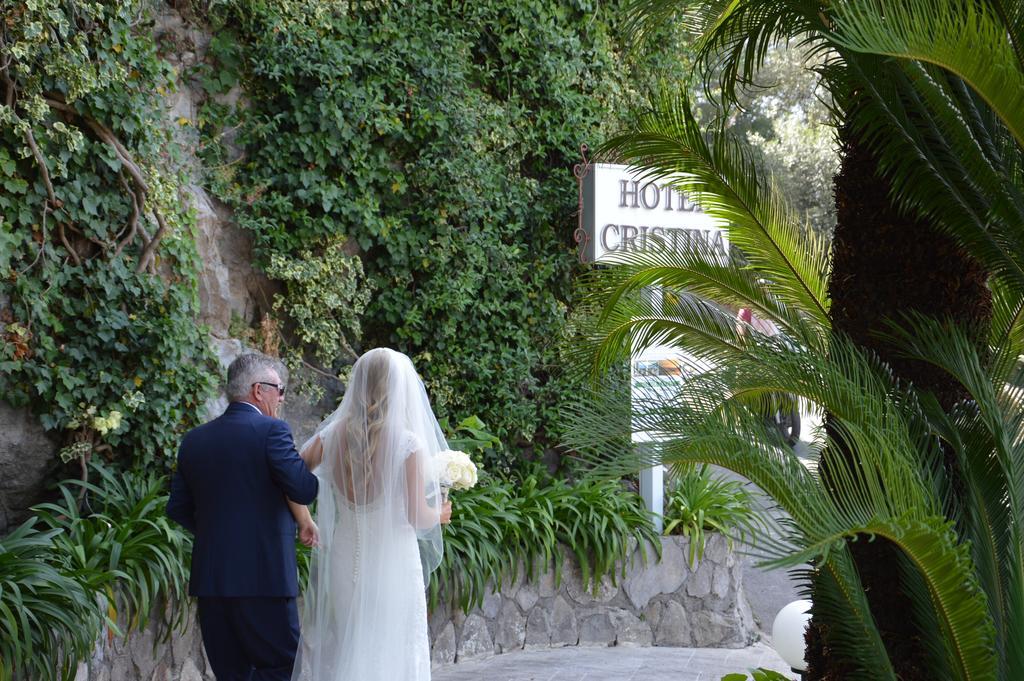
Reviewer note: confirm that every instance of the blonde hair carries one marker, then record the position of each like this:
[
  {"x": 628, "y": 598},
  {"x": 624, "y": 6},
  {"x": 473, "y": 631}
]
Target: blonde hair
[{"x": 374, "y": 370}]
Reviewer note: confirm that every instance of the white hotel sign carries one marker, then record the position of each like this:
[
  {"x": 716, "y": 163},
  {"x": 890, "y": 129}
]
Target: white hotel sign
[{"x": 624, "y": 214}]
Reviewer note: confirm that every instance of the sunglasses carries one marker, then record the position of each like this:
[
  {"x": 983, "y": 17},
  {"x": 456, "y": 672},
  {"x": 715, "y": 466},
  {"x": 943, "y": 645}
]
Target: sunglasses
[{"x": 280, "y": 388}]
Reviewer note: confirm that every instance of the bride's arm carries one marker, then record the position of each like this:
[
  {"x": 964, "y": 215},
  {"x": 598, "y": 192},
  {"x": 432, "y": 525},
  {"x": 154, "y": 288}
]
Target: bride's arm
[
  {"x": 309, "y": 533},
  {"x": 313, "y": 454},
  {"x": 422, "y": 516}
]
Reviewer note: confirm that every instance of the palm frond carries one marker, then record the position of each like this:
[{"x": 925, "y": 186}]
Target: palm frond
[
  {"x": 1007, "y": 331},
  {"x": 968, "y": 39},
  {"x": 691, "y": 288},
  {"x": 839, "y": 596},
  {"x": 1012, "y": 14},
  {"x": 987, "y": 433},
  {"x": 735, "y": 36},
  {"x": 946, "y": 158},
  {"x": 635, "y": 324},
  {"x": 947, "y": 575}
]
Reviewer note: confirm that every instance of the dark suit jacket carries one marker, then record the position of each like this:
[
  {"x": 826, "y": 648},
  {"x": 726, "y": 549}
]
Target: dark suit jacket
[{"x": 229, "y": 491}]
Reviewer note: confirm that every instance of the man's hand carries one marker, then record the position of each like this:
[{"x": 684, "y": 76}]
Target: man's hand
[
  {"x": 309, "y": 533},
  {"x": 446, "y": 512}
]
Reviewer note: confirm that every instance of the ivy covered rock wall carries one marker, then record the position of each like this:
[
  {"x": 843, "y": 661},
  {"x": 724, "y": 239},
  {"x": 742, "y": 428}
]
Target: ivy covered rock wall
[
  {"x": 182, "y": 180},
  {"x": 406, "y": 171},
  {"x": 98, "y": 262}
]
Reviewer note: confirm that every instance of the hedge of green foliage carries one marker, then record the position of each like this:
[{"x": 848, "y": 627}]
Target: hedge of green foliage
[
  {"x": 97, "y": 258},
  {"x": 501, "y": 527},
  {"x": 432, "y": 142}
]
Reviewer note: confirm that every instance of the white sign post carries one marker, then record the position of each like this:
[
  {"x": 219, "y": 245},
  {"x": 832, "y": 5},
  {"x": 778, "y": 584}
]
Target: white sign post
[{"x": 623, "y": 214}]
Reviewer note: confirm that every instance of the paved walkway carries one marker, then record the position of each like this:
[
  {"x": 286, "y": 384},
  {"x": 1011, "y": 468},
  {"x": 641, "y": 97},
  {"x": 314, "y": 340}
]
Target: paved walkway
[{"x": 614, "y": 664}]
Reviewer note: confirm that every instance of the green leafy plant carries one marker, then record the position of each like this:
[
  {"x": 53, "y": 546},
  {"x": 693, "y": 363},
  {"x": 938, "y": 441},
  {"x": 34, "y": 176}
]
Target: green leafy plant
[
  {"x": 48, "y": 620},
  {"x": 697, "y": 501},
  {"x": 98, "y": 294},
  {"x": 501, "y": 527},
  {"x": 65, "y": 572},
  {"x": 471, "y": 435},
  {"x": 133, "y": 554},
  {"x": 326, "y": 294}
]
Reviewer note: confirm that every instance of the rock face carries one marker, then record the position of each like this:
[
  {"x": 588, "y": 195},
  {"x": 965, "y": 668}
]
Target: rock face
[
  {"x": 662, "y": 603},
  {"x": 233, "y": 293},
  {"x": 230, "y": 288},
  {"x": 27, "y": 456}
]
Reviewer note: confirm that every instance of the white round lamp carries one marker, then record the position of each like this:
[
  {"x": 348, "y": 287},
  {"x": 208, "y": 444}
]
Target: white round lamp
[{"x": 788, "y": 633}]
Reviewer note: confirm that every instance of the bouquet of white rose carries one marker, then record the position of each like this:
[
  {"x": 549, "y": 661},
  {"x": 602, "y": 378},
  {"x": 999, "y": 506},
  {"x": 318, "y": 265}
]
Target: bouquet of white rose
[{"x": 455, "y": 470}]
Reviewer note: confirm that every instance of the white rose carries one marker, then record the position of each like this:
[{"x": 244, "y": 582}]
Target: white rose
[{"x": 456, "y": 469}]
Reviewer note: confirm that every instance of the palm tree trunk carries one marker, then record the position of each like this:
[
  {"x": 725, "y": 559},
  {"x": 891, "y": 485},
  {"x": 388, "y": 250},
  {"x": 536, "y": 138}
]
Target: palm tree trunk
[{"x": 886, "y": 263}]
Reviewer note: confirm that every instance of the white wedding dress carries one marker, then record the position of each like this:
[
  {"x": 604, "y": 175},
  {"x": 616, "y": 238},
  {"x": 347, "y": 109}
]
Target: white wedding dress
[{"x": 364, "y": 612}]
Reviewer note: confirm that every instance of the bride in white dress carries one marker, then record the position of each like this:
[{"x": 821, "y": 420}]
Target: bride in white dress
[{"x": 379, "y": 512}]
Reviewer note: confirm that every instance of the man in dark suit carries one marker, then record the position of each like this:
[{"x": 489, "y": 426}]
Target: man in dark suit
[{"x": 231, "y": 490}]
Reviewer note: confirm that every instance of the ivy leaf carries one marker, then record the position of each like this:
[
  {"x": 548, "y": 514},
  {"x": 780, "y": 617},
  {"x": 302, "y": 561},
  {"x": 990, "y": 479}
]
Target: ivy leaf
[
  {"x": 113, "y": 161},
  {"x": 90, "y": 202},
  {"x": 15, "y": 185}
]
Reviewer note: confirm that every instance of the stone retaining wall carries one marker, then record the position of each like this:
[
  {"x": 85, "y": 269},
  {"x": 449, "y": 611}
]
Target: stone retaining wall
[
  {"x": 664, "y": 603},
  {"x": 142, "y": 657}
]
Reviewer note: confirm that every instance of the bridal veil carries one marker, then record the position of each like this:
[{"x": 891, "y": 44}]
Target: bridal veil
[{"x": 364, "y": 612}]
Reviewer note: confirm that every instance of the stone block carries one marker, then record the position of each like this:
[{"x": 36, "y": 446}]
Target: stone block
[
  {"x": 664, "y": 577},
  {"x": 443, "y": 649},
  {"x": 527, "y": 596},
  {"x": 630, "y": 630},
  {"x": 721, "y": 582},
  {"x": 491, "y": 604},
  {"x": 597, "y": 630},
  {"x": 510, "y": 585},
  {"x": 140, "y": 648},
  {"x": 699, "y": 583},
  {"x": 439, "y": 617},
  {"x": 546, "y": 587},
  {"x": 585, "y": 594},
  {"x": 673, "y": 628},
  {"x": 27, "y": 455},
  {"x": 189, "y": 672},
  {"x": 716, "y": 548},
  {"x": 475, "y": 640},
  {"x": 183, "y": 643},
  {"x": 538, "y": 628},
  {"x": 564, "y": 629},
  {"x": 712, "y": 629},
  {"x": 652, "y": 614},
  {"x": 509, "y": 628}
]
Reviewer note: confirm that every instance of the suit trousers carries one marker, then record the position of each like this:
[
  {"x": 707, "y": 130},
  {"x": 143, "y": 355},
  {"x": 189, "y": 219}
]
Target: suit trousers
[{"x": 250, "y": 639}]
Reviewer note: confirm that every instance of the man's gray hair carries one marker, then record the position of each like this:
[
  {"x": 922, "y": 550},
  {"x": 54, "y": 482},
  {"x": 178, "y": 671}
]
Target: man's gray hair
[{"x": 248, "y": 369}]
